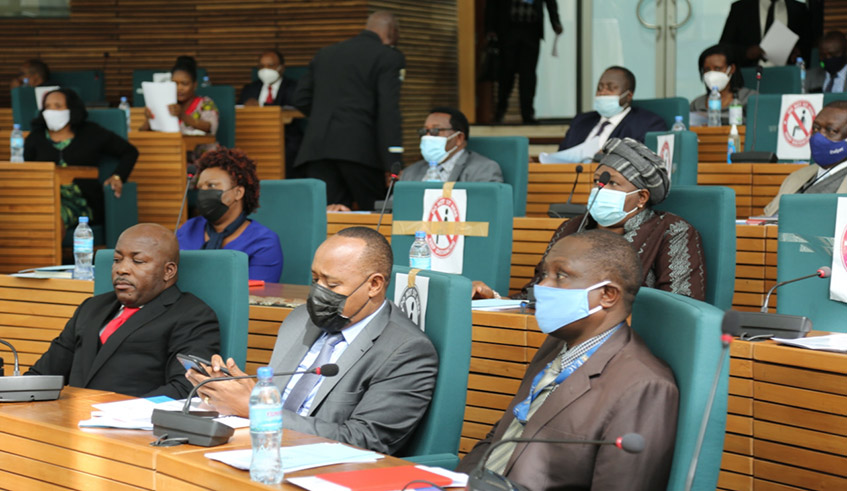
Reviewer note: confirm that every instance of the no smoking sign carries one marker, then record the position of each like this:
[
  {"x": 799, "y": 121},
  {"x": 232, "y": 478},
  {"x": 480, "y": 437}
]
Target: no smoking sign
[{"x": 443, "y": 210}]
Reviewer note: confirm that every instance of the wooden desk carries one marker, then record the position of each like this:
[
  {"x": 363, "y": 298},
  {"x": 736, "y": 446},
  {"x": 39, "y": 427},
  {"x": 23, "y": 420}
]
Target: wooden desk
[
  {"x": 68, "y": 174},
  {"x": 6, "y": 118},
  {"x": 711, "y": 142},
  {"x": 552, "y": 183},
  {"x": 260, "y": 131},
  {"x": 161, "y": 176}
]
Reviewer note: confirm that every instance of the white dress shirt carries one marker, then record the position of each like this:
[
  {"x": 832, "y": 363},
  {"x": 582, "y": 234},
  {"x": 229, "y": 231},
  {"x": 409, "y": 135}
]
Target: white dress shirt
[
  {"x": 780, "y": 13},
  {"x": 446, "y": 168},
  {"x": 263, "y": 95},
  {"x": 614, "y": 121},
  {"x": 838, "y": 83},
  {"x": 824, "y": 174}
]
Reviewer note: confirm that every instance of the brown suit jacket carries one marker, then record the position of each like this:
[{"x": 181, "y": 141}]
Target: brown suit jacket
[{"x": 621, "y": 389}]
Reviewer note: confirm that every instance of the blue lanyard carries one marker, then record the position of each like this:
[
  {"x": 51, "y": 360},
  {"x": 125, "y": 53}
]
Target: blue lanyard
[{"x": 521, "y": 410}]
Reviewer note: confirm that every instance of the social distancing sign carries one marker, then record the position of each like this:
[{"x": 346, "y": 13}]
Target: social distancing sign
[
  {"x": 447, "y": 249},
  {"x": 410, "y": 294},
  {"x": 838, "y": 281},
  {"x": 796, "y": 116}
]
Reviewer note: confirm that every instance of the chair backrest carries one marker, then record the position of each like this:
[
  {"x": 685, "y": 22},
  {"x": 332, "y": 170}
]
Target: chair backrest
[
  {"x": 91, "y": 84},
  {"x": 768, "y": 122},
  {"x": 146, "y": 75},
  {"x": 806, "y": 231},
  {"x": 512, "y": 153},
  {"x": 200, "y": 273},
  {"x": 668, "y": 108},
  {"x": 775, "y": 79},
  {"x": 24, "y": 107},
  {"x": 448, "y": 325},
  {"x": 834, "y": 96},
  {"x": 113, "y": 120},
  {"x": 685, "y": 334},
  {"x": 684, "y": 155},
  {"x": 487, "y": 258},
  {"x": 224, "y": 97},
  {"x": 296, "y": 210},
  {"x": 291, "y": 72},
  {"x": 711, "y": 210}
]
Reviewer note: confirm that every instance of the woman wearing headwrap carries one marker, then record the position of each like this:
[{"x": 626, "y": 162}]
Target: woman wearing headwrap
[{"x": 670, "y": 248}]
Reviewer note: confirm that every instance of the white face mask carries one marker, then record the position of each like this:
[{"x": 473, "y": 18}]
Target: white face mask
[
  {"x": 716, "y": 79},
  {"x": 268, "y": 75},
  {"x": 56, "y": 119}
]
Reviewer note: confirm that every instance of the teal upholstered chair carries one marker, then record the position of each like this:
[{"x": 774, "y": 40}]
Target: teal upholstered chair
[
  {"x": 448, "y": 325},
  {"x": 146, "y": 75},
  {"x": 775, "y": 79},
  {"x": 296, "y": 210},
  {"x": 486, "y": 259},
  {"x": 224, "y": 97},
  {"x": 668, "y": 108},
  {"x": 512, "y": 153},
  {"x": 766, "y": 132},
  {"x": 91, "y": 84},
  {"x": 711, "y": 210},
  {"x": 685, "y": 334},
  {"x": 834, "y": 96},
  {"x": 217, "y": 277},
  {"x": 24, "y": 107},
  {"x": 684, "y": 155},
  {"x": 806, "y": 228}
]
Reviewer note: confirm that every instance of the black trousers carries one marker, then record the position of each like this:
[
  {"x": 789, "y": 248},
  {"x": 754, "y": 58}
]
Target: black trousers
[
  {"x": 348, "y": 182},
  {"x": 518, "y": 54}
]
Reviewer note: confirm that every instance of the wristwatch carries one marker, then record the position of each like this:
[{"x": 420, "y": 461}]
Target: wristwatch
[{"x": 115, "y": 176}]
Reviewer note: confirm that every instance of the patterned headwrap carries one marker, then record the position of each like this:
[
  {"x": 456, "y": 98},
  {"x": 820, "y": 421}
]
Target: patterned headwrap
[{"x": 639, "y": 165}]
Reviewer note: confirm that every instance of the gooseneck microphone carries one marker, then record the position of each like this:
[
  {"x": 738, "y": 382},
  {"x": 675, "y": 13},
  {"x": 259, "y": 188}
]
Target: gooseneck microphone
[
  {"x": 567, "y": 209},
  {"x": 26, "y": 388},
  {"x": 759, "y": 70},
  {"x": 200, "y": 429},
  {"x": 482, "y": 479},
  {"x": 822, "y": 272},
  {"x": 601, "y": 183},
  {"x": 753, "y": 155},
  {"x": 396, "y": 167},
  {"x": 190, "y": 171}
]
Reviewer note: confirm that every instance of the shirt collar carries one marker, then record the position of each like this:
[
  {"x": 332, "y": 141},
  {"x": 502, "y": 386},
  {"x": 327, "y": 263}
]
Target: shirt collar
[
  {"x": 351, "y": 332},
  {"x": 274, "y": 85},
  {"x": 447, "y": 165},
  {"x": 831, "y": 171},
  {"x": 617, "y": 118}
]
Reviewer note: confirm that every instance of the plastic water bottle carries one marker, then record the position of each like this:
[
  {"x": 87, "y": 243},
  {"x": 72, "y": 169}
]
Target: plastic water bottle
[
  {"x": 420, "y": 256},
  {"x": 736, "y": 111},
  {"x": 124, "y": 106},
  {"x": 16, "y": 144},
  {"x": 714, "y": 107},
  {"x": 206, "y": 82},
  {"x": 802, "y": 66},
  {"x": 83, "y": 250},
  {"x": 733, "y": 143},
  {"x": 432, "y": 174},
  {"x": 266, "y": 429},
  {"x": 678, "y": 125}
]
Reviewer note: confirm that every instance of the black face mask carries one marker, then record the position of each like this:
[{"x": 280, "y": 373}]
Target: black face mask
[
  {"x": 834, "y": 65},
  {"x": 209, "y": 204},
  {"x": 325, "y": 307}
]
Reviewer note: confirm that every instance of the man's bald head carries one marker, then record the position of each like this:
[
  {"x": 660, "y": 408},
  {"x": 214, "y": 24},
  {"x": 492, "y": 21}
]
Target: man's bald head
[
  {"x": 145, "y": 263},
  {"x": 384, "y": 24}
]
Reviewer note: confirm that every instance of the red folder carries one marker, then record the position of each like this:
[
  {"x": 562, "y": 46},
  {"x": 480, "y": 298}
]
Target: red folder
[{"x": 385, "y": 478}]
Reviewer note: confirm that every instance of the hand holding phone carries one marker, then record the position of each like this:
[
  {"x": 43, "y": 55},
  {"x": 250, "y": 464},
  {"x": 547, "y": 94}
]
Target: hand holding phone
[{"x": 191, "y": 362}]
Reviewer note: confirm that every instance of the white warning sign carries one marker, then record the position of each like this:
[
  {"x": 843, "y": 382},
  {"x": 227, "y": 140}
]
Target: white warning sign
[
  {"x": 796, "y": 116},
  {"x": 447, "y": 250},
  {"x": 412, "y": 299}
]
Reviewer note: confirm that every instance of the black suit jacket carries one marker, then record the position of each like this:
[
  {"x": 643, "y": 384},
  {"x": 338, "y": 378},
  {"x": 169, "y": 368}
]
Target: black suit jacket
[
  {"x": 634, "y": 125},
  {"x": 139, "y": 359},
  {"x": 284, "y": 97},
  {"x": 498, "y": 18},
  {"x": 743, "y": 28},
  {"x": 351, "y": 94}
]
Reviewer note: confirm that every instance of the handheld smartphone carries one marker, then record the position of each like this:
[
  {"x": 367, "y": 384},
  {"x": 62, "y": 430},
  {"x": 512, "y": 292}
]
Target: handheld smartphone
[{"x": 191, "y": 362}]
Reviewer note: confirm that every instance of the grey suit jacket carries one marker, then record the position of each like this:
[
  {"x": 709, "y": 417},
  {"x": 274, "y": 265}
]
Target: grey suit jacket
[
  {"x": 383, "y": 388},
  {"x": 798, "y": 178},
  {"x": 471, "y": 167}
]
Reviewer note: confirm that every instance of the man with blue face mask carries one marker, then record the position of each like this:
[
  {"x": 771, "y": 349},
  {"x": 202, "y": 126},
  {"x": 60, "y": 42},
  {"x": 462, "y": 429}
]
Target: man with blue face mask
[
  {"x": 444, "y": 139},
  {"x": 829, "y": 152},
  {"x": 613, "y": 117},
  {"x": 593, "y": 378}
]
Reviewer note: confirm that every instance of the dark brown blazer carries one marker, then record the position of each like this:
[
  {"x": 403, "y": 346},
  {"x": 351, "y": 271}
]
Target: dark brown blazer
[{"x": 621, "y": 389}]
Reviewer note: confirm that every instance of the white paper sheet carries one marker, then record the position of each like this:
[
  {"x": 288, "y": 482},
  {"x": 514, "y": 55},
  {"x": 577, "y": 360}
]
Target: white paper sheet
[
  {"x": 299, "y": 457},
  {"x": 778, "y": 42},
  {"x": 157, "y": 97},
  {"x": 494, "y": 304},
  {"x": 831, "y": 342},
  {"x": 581, "y": 153},
  {"x": 40, "y": 92},
  {"x": 162, "y": 77},
  {"x": 665, "y": 150}
]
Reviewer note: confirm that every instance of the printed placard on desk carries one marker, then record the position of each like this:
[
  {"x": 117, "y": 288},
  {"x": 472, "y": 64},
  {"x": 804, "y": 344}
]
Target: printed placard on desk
[
  {"x": 838, "y": 281},
  {"x": 447, "y": 250},
  {"x": 665, "y": 150},
  {"x": 796, "y": 116}
]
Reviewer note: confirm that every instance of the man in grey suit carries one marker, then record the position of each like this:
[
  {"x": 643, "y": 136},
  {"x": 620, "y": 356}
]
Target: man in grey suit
[{"x": 387, "y": 366}]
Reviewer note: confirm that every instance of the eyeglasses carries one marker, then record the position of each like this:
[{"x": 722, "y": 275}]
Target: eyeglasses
[{"x": 432, "y": 131}]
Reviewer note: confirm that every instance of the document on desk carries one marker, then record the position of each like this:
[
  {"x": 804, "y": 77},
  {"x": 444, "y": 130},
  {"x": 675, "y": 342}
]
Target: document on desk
[
  {"x": 831, "y": 342},
  {"x": 494, "y": 304},
  {"x": 381, "y": 479},
  {"x": 299, "y": 457},
  {"x": 135, "y": 414},
  {"x": 157, "y": 97}
]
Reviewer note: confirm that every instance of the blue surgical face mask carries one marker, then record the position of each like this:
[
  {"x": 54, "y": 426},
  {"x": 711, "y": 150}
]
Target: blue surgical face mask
[
  {"x": 607, "y": 206},
  {"x": 433, "y": 148},
  {"x": 608, "y": 105},
  {"x": 827, "y": 152},
  {"x": 559, "y": 307}
]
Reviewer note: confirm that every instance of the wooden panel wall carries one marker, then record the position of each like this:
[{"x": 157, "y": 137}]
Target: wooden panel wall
[
  {"x": 835, "y": 15},
  {"x": 226, "y": 37}
]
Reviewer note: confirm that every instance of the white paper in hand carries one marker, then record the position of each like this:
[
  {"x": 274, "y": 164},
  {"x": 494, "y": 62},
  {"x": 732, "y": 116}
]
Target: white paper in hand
[
  {"x": 157, "y": 97},
  {"x": 778, "y": 42}
]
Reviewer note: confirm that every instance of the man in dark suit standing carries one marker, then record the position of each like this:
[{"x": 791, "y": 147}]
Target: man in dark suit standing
[
  {"x": 273, "y": 89},
  {"x": 613, "y": 117},
  {"x": 749, "y": 20},
  {"x": 126, "y": 340},
  {"x": 351, "y": 94},
  {"x": 519, "y": 27}
]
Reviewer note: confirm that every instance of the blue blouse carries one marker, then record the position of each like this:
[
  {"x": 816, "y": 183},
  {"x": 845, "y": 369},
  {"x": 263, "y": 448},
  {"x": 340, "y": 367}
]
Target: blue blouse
[{"x": 260, "y": 243}]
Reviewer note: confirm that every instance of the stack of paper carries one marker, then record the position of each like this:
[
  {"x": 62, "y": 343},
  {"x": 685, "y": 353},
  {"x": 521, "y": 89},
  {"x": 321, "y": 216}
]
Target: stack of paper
[
  {"x": 496, "y": 304},
  {"x": 831, "y": 342},
  {"x": 135, "y": 414},
  {"x": 383, "y": 479},
  {"x": 301, "y": 457}
]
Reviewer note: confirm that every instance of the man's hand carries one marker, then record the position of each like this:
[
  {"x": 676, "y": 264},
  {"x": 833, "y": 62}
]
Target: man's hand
[
  {"x": 337, "y": 207},
  {"x": 251, "y": 102},
  {"x": 229, "y": 396},
  {"x": 557, "y": 28},
  {"x": 174, "y": 109},
  {"x": 480, "y": 290},
  {"x": 755, "y": 53}
]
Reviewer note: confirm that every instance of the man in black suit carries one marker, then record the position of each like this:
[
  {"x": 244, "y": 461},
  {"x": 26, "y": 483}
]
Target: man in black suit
[
  {"x": 518, "y": 26},
  {"x": 272, "y": 89},
  {"x": 613, "y": 117},
  {"x": 749, "y": 20},
  {"x": 126, "y": 340},
  {"x": 351, "y": 94}
]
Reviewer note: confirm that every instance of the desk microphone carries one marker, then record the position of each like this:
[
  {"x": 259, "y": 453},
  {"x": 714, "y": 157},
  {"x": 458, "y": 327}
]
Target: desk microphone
[
  {"x": 601, "y": 183},
  {"x": 396, "y": 167},
  {"x": 753, "y": 155},
  {"x": 191, "y": 170},
  {"x": 26, "y": 388},
  {"x": 822, "y": 272},
  {"x": 201, "y": 430},
  {"x": 566, "y": 209},
  {"x": 482, "y": 479}
]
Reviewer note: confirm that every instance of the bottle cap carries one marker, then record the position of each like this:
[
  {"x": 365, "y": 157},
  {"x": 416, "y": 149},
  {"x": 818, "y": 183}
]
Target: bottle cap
[
  {"x": 123, "y": 98},
  {"x": 265, "y": 372},
  {"x": 420, "y": 234},
  {"x": 16, "y": 126},
  {"x": 678, "y": 118},
  {"x": 83, "y": 219}
]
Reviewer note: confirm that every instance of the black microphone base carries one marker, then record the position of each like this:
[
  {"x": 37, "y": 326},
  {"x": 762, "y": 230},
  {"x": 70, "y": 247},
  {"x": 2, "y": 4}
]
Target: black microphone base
[
  {"x": 486, "y": 480},
  {"x": 203, "y": 432},
  {"x": 27, "y": 388},
  {"x": 749, "y": 324},
  {"x": 565, "y": 210},
  {"x": 753, "y": 157}
]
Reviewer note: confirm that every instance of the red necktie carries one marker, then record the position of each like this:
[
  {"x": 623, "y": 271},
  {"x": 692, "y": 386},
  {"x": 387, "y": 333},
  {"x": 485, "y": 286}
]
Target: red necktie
[
  {"x": 115, "y": 323},
  {"x": 270, "y": 99}
]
